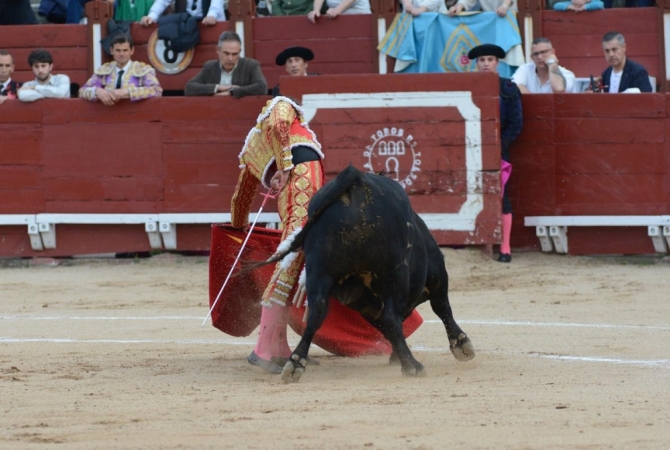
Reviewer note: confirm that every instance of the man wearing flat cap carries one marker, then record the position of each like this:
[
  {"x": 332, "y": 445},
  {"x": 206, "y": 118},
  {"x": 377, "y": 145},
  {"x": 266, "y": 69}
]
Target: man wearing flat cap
[
  {"x": 511, "y": 122},
  {"x": 295, "y": 59}
]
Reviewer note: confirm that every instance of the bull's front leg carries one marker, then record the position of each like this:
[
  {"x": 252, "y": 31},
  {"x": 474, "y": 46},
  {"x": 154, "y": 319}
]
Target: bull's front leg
[
  {"x": 459, "y": 343},
  {"x": 318, "y": 309}
]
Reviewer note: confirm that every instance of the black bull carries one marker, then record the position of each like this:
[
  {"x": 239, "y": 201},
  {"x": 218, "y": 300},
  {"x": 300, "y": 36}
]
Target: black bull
[{"x": 364, "y": 245}]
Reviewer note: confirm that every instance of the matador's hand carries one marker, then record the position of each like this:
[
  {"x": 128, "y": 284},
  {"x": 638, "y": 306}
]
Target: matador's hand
[{"x": 279, "y": 179}]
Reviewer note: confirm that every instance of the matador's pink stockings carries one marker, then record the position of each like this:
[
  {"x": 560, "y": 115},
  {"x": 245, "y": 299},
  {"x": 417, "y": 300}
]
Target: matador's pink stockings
[
  {"x": 272, "y": 340},
  {"x": 506, "y": 233}
]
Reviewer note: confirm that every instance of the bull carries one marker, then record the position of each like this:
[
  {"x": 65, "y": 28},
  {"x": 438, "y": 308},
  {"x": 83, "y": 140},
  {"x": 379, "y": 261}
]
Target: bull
[{"x": 364, "y": 245}]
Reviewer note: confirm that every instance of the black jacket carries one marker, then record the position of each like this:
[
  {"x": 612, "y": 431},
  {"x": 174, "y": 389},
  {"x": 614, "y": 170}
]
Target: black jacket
[{"x": 634, "y": 75}]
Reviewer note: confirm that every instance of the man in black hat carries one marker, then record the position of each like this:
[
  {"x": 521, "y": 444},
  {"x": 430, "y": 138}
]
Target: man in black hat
[
  {"x": 511, "y": 122},
  {"x": 295, "y": 59}
]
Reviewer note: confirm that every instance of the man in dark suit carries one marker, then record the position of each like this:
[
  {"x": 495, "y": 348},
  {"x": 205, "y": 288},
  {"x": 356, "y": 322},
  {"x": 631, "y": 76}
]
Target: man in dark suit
[
  {"x": 622, "y": 73},
  {"x": 230, "y": 74}
]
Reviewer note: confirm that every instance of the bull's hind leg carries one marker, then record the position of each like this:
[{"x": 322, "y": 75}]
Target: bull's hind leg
[
  {"x": 317, "y": 300},
  {"x": 459, "y": 343}
]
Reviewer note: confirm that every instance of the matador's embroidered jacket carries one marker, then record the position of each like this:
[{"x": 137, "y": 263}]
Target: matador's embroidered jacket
[
  {"x": 140, "y": 80},
  {"x": 267, "y": 148}
]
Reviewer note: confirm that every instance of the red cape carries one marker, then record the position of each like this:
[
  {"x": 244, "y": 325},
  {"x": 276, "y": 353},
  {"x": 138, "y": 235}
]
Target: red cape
[{"x": 238, "y": 312}]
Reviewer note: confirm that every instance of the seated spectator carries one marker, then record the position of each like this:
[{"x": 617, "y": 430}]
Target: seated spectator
[
  {"x": 543, "y": 74},
  {"x": 337, "y": 7},
  {"x": 17, "y": 12},
  {"x": 631, "y": 3},
  {"x": 500, "y": 7},
  {"x": 123, "y": 78},
  {"x": 578, "y": 5},
  {"x": 296, "y": 61},
  {"x": 8, "y": 87},
  {"x": 46, "y": 84},
  {"x": 230, "y": 74},
  {"x": 623, "y": 73},
  {"x": 291, "y": 7},
  {"x": 215, "y": 13},
  {"x": 417, "y": 7}
]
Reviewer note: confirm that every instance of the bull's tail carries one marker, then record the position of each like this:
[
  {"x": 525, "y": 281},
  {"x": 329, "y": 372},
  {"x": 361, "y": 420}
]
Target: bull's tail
[{"x": 326, "y": 196}]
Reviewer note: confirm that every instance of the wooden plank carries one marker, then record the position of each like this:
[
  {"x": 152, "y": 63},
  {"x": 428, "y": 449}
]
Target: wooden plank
[
  {"x": 82, "y": 188},
  {"x": 272, "y": 73},
  {"x": 44, "y": 36},
  {"x": 609, "y": 241},
  {"x": 15, "y": 111},
  {"x": 19, "y": 177},
  {"x": 103, "y": 207},
  {"x": 536, "y": 132},
  {"x": 197, "y": 198},
  {"x": 537, "y": 107},
  {"x": 478, "y": 84},
  {"x": 112, "y": 149},
  {"x": 627, "y": 21},
  {"x": 610, "y": 131},
  {"x": 340, "y": 50},
  {"x": 75, "y": 239},
  {"x": 300, "y": 30},
  {"x": 610, "y": 106},
  {"x": 65, "y": 59},
  {"x": 610, "y": 158},
  {"x": 532, "y": 158},
  {"x": 98, "y": 116},
  {"x": 219, "y": 109},
  {"x": 21, "y": 201},
  {"x": 610, "y": 194},
  {"x": 590, "y": 46},
  {"x": 20, "y": 143},
  {"x": 14, "y": 241},
  {"x": 207, "y": 132}
]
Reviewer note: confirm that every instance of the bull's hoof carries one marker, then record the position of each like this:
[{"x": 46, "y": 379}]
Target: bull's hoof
[
  {"x": 293, "y": 369},
  {"x": 393, "y": 359},
  {"x": 281, "y": 362},
  {"x": 417, "y": 371},
  {"x": 462, "y": 348}
]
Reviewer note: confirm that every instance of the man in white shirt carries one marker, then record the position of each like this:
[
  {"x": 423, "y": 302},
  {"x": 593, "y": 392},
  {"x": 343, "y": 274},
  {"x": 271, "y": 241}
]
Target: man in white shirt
[
  {"x": 46, "y": 84},
  {"x": 543, "y": 74},
  {"x": 215, "y": 12}
]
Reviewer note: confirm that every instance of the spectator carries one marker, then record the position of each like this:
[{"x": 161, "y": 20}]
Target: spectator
[
  {"x": 46, "y": 84},
  {"x": 123, "y": 78},
  {"x": 543, "y": 74},
  {"x": 133, "y": 10},
  {"x": 230, "y": 74},
  {"x": 17, "y": 12},
  {"x": 500, "y": 7},
  {"x": 296, "y": 61},
  {"x": 337, "y": 7},
  {"x": 8, "y": 87},
  {"x": 292, "y": 7},
  {"x": 417, "y": 7},
  {"x": 623, "y": 73},
  {"x": 579, "y": 5},
  {"x": 631, "y": 3},
  {"x": 215, "y": 12},
  {"x": 511, "y": 123}
]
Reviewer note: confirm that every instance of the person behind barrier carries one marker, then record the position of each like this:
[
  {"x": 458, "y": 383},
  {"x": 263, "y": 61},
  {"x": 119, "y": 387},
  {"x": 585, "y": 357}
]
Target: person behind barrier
[
  {"x": 17, "y": 12},
  {"x": 623, "y": 73},
  {"x": 418, "y": 7},
  {"x": 338, "y": 7},
  {"x": 45, "y": 84},
  {"x": 122, "y": 78},
  {"x": 196, "y": 8},
  {"x": 8, "y": 87},
  {"x": 511, "y": 123},
  {"x": 291, "y": 7},
  {"x": 230, "y": 75},
  {"x": 500, "y": 7},
  {"x": 280, "y": 153},
  {"x": 543, "y": 74},
  {"x": 296, "y": 60},
  {"x": 578, "y": 5}
]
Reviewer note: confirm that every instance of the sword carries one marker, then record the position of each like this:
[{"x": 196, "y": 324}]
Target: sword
[{"x": 272, "y": 193}]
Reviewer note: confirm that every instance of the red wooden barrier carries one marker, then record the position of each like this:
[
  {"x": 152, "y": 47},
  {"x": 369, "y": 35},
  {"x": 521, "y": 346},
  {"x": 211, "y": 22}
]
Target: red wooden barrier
[
  {"x": 179, "y": 155},
  {"x": 592, "y": 154}
]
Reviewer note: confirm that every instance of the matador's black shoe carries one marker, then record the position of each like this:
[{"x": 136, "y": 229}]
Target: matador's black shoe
[
  {"x": 505, "y": 258},
  {"x": 264, "y": 364}
]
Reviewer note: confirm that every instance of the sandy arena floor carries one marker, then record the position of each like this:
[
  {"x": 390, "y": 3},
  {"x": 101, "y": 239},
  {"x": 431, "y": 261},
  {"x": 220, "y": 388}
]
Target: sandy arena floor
[{"x": 572, "y": 353}]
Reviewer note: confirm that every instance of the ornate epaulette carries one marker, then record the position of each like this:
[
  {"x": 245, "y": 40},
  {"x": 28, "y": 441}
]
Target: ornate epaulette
[
  {"x": 140, "y": 69},
  {"x": 105, "y": 69}
]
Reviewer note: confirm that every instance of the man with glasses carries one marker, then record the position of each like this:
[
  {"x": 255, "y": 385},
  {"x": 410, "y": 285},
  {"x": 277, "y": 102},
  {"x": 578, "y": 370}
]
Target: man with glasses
[{"x": 543, "y": 74}]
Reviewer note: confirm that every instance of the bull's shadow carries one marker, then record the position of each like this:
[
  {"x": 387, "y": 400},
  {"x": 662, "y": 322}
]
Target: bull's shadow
[{"x": 364, "y": 245}]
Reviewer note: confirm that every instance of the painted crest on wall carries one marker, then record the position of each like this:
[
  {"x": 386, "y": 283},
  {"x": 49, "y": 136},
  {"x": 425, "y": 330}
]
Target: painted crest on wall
[{"x": 394, "y": 153}]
